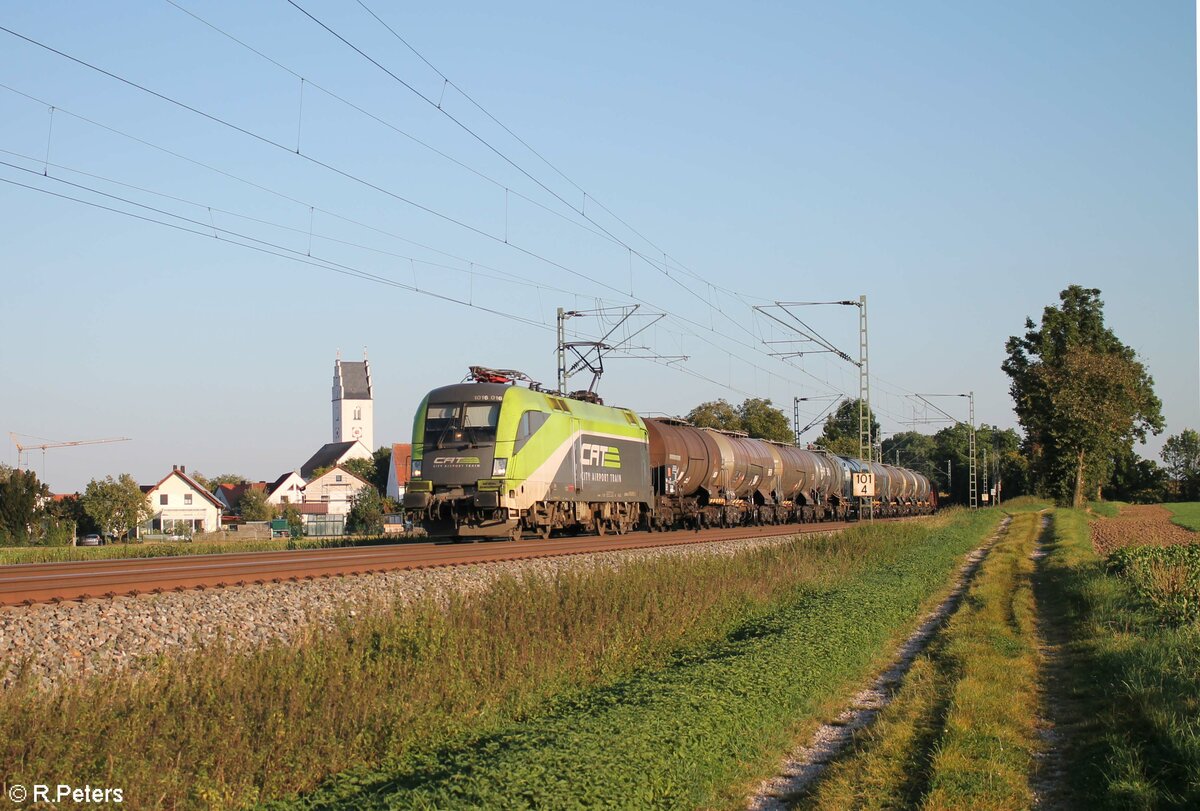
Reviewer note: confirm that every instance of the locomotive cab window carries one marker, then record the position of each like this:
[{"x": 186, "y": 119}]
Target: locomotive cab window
[{"x": 461, "y": 423}]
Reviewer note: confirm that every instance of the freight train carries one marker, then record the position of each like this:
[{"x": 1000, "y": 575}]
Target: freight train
[{"x": 493, "y": 459}]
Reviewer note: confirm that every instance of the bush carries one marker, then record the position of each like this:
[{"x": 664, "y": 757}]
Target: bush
[{"x": 1166, "y": 577}]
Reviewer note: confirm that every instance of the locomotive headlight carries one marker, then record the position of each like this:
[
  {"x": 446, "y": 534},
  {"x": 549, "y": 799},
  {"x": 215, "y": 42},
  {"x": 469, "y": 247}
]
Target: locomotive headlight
[
  {"x": 416, "y": 469},
  {"x": 499, "y": 467}
]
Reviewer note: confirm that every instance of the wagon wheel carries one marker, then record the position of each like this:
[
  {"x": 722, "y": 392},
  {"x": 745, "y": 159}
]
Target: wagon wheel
[
  {"x": 599, "y": 525},
  {"x": 543, "y": 531}
]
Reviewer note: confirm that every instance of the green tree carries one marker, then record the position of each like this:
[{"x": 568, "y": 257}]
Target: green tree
[
  {"x": 253, "y": 505},
  {"x": 364, "y": 469},
  {"x": 69, "y": 512},
  {"x": 762, "y": 420},
  {"x": 383, "y": 467},
  {"x": 717, "y": 414},
  {"x": 1181, "y": 455},
  {"x": 1135, "y": 479},
  {"x": 915, "y": 451},
  {"x": 291, "y": 514},
  {"x": 841, "y": 434},
  {"x": 22, "y": 506},
  {"x": 116, "y": 505},
  {"x": 1003, "y": 455},
  {"x": 211, "y": 484},
  {"x": 1079, "y": 393},
  {"x": 366, "y": 512}
]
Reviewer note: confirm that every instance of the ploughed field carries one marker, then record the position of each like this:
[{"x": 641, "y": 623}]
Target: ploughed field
[{"x": 1139, "y": 525}]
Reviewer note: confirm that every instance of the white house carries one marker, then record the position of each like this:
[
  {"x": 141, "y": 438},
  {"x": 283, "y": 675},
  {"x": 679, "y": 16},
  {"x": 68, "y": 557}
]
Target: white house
[
  {"x": 334, "y": 488},
  {"x": 178, "y": 498},
  {"x": 287, "y": 489}
]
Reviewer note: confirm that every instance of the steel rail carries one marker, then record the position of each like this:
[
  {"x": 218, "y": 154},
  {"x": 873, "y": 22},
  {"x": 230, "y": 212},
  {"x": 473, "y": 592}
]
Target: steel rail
[{"x": 30, "y": 583}]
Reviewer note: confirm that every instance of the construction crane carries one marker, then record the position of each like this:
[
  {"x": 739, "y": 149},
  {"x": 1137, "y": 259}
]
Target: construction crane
[{"x": 22, "y": 449}]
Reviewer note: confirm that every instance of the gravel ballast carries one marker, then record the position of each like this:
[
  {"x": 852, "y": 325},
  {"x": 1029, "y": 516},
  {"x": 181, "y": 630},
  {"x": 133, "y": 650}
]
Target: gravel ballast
[{"x": 63, "y": 642}]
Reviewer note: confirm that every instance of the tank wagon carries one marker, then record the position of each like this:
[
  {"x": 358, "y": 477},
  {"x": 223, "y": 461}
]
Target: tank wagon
[{"x": 493, "y": 459}]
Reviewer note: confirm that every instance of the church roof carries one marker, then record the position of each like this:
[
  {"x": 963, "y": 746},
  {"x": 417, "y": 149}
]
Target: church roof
[
  {"x": 356, "y": 380},
  {"x": 328, "y": 456}
]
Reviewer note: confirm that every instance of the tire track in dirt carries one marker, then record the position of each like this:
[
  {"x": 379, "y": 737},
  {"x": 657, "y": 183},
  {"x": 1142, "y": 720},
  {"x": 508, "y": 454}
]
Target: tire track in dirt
[{"x": 805, "y": 764}]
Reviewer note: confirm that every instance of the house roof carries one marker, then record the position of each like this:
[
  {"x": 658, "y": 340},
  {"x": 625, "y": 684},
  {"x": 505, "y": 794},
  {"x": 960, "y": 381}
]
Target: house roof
[
  {"x": 344, "y": 472},
  {"x": 150, "y": 488},
  {"x": 356, "y": 380},
  {"x": 233, "y": 493},
  {"x": 275, "y": 485},
  {"x": 328, "y": 456}
]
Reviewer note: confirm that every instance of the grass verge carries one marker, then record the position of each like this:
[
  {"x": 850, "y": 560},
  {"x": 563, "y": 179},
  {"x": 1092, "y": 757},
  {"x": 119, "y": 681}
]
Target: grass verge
[
  {"x": 693, "y": 730},
  {"x": 1186, "y": 514},
  {"x": 1106, "y": 509},
  {"x": 961, "y": 732},
  {"x": 1132, "y": 683},
  {"x": 706, "y": 658}
]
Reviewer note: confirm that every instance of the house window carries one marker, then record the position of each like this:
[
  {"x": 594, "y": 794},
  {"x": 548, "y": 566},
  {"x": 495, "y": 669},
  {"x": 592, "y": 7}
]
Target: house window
[
  {"x": 187, "y": 498},
  {"x": 357, "y": 413},
  {"x": 162, "y": 499},
  {"x": 336, "y": 478},
  {"x": 284, "y": 499},
  {"x": 325, "y": 497}
]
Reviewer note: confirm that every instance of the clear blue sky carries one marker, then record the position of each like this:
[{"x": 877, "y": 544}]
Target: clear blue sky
[{"x": 959, "y": 163}]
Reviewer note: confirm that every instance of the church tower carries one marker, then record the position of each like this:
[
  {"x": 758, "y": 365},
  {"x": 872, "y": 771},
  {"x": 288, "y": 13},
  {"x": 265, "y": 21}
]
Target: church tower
[{"x": 353, "y": 409}]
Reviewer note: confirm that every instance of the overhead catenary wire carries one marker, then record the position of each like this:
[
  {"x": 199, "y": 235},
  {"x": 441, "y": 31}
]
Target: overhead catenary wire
[
  {"x": 350, "y": 176},
  {"x": 268, "y": 141},
  {"x": 508, "y": 160},
  {"x": 203, "y": 230},
  {"x": 586, "y": 195}
]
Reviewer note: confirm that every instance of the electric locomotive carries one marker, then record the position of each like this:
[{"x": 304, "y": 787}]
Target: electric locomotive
[{"x": 491, "y": 459}]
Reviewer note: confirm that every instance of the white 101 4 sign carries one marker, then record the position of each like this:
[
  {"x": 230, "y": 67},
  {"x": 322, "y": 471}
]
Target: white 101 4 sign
[{"x": 864, "y": 485}]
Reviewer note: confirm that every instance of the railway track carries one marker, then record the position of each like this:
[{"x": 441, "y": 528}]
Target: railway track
[{"x": 30, "y": 583}]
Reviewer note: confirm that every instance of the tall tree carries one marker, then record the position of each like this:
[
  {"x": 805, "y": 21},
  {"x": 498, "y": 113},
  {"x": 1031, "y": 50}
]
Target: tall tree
[
  {"x": 1079, "y": 393},
  {"x": 1181, "y": 455},
  {"x": 840, "y": 434},
  {"x": 717, "y": 414},
  {"x": 22, "y": 505},
  {"x": 762, "y": 420},
  {"x": 117, "y": 505}
]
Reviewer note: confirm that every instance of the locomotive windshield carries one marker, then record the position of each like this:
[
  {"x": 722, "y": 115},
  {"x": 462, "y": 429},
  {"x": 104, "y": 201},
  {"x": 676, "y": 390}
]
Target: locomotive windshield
[{"x": 451, "y": 424}]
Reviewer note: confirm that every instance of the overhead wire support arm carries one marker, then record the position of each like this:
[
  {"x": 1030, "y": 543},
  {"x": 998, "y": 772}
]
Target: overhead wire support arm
[{"x": 973, "y": 484}]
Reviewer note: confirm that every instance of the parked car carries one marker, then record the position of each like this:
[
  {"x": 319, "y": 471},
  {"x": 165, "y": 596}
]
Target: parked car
[{"x": 91, "y": 540}]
